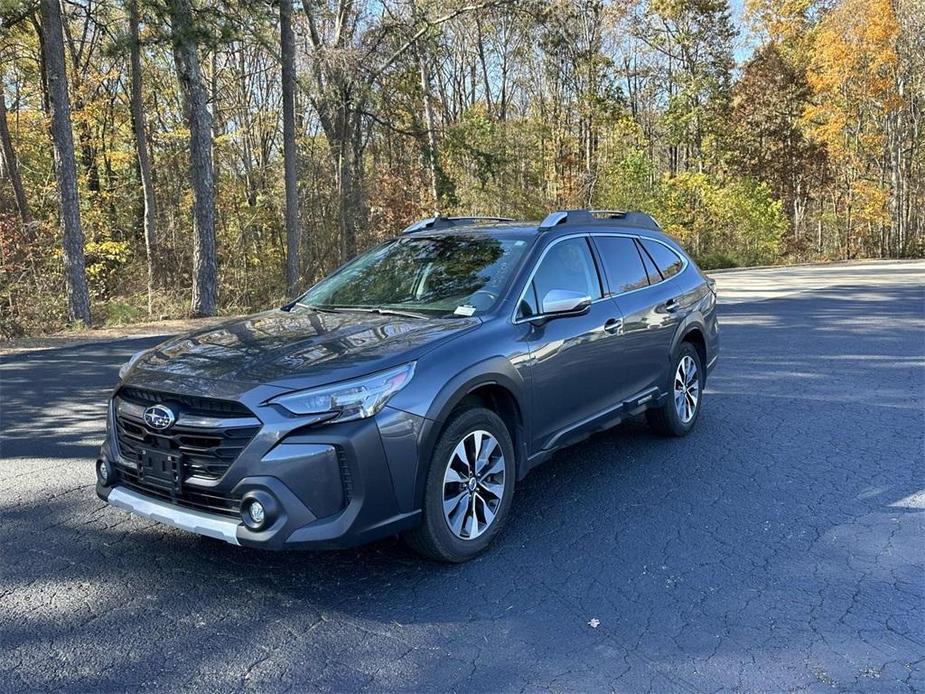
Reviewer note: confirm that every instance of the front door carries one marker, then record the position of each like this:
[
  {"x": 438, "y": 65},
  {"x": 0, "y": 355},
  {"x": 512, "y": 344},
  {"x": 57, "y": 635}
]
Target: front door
[{"x": 569, "y": 355}]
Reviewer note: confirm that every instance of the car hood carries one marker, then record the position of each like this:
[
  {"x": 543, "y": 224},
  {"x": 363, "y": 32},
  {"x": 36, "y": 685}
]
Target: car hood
[{"x": 301, "y": 348}]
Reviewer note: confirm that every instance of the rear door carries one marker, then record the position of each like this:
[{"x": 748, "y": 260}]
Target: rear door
[{"x": 634, "y": 283}]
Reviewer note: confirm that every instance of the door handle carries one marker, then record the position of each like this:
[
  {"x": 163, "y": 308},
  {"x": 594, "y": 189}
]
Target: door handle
[
  {"x": 672, "y": 305},
  {"x": 613, "y": 326}
]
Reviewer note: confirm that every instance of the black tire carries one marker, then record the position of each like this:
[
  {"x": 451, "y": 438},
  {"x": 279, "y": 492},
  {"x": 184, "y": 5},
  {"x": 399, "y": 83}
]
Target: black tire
[
  {"x": 434, "y": 538},
  {"x": 665, "y": 419}
]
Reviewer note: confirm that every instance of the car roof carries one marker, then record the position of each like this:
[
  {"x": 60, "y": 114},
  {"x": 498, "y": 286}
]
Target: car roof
[
  {"x": 636, "y": 223},
  {"x": 499, "y": 229}
]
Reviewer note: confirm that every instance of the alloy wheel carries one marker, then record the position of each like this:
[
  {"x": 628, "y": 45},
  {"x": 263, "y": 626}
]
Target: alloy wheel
[
  {"x": 473, "y": 485},
  {"x": 686, "y": 389}
]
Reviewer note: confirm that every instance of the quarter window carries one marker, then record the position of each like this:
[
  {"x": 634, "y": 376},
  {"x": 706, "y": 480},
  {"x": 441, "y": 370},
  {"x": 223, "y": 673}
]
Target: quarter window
[
  {"x": 667, "y": 261},
  {"x": 654, "y": 275},
  {"x": 529, "y": 306},
  {"x": 622, "y": 263}
]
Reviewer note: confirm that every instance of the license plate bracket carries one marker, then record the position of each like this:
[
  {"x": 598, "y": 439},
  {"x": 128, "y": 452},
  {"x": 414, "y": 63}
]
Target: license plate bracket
[{"x": 161, "y": 470}]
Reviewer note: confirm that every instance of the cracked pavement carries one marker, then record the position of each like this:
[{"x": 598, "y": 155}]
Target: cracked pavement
[{"x": 780, "y": 547}]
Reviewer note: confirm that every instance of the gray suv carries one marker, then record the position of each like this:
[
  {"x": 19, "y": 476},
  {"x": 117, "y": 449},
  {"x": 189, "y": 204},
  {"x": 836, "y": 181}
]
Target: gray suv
[{"x": 410, "y": 390}]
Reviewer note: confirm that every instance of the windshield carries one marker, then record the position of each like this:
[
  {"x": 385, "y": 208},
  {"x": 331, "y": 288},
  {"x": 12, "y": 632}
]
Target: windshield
[{"x": 459, "y": 275}]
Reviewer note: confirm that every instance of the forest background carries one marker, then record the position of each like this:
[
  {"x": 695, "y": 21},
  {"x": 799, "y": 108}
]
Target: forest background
[{"x": 165, "y": 158}]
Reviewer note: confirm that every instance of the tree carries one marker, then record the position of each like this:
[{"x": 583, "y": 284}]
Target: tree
[
  {"x": 185, "y": 43},
  {"x": 852, "y": 79},
  {"x": 141, "y": 148},
  {"x": 430, "y": 147},
  {"x": 290, "y": 157},
  {"x": 765, "y": 136},
  {"x": 783, "y": 22},
  {"x": 905, "y": 127},
  {"x": 724, "y": 225},
  {"x": 572, "y": 43},
  {"x": 75, "y": 273},
  {"x": 346, "y": 63},
  {"x": 10, "y": 163},
  {"x": 344, "y": 120},
  {"x": 81, "y": 48},
  {"x": 694, "y": 39}
]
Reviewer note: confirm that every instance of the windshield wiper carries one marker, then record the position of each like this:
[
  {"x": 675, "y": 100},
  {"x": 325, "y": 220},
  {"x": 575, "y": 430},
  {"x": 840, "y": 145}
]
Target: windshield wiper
[
  {"x": 319, "y": 309},
  {"x": 364, "y": 309},
  {"x": 385, "y": 311}
]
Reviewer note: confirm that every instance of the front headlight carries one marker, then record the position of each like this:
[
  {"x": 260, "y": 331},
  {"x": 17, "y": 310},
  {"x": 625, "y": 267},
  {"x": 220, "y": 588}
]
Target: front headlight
[
  {"x": 356, "y": 399},
  {"x": 127, "y": 366}
]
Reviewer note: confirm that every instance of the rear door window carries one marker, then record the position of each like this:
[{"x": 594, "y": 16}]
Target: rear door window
[
  {"x": 666, "y": 260},
  {"x": 622, "y": 263}
]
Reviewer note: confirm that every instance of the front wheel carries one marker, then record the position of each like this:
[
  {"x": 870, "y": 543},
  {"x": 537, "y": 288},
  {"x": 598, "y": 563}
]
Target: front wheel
[
  {"x": 679, "y": 413},
  {"x": 469, "y": 487}
]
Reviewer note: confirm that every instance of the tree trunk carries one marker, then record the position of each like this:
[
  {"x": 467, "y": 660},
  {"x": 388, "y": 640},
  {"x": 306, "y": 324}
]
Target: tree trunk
[
  {"x": 144, "y": 159},
  {"x": 351, "y": 197},
  {"x": 895, "y": 135},
  {"x": 202, "y": 174},
  {"x": 430, "y": 146},
  {"x": 10, "y": 164},
  {"x": 480, "y": 42},
  {"x": 85, "y": 136},
  {"x": 43, "y": 69},
  {"x": 75, "y": 274},
  {"x": 290, "y": 163}
]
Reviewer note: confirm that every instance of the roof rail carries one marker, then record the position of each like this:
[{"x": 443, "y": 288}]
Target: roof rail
[
  {"x": 626, "y": 218},
  {"x": 611, "y": 214},
  {"x": 447, "y": 222},
  {"x": 565, "y": 217}
]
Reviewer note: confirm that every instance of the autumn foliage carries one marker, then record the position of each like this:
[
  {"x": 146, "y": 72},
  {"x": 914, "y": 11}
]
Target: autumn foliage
[{"x": 789, "y": 131}]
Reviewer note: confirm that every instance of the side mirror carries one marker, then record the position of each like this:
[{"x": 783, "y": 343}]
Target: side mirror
[{"x": 565, "y": 302}]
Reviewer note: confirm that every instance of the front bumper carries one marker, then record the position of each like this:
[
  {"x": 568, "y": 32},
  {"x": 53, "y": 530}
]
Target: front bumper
[
  {"x": 207, "y": 524},
  {"x": 334, "y": 485}
]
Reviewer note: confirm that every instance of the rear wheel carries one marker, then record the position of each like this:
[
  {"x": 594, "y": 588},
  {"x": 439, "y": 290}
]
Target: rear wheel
[
  {"x": 469, "y": 487},
  {"x": 679, "y": 413}
]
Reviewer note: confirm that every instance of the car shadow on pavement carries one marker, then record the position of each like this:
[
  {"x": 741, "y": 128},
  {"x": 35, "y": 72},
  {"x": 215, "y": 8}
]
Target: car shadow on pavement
[{"x": 765, "y": 547}]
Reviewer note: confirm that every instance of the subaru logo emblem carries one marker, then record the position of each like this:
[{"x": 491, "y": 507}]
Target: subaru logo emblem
[{"x": 159, "y": 417}]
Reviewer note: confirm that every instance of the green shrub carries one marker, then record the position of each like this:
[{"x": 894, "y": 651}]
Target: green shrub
[{"x": 734, "y": 223}]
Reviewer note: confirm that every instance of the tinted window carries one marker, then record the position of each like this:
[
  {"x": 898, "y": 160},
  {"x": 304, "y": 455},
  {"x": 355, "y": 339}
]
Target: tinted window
[
  {"x": 651, "y": 270},
  {"x": 622, "y": 263},
  {"x": 529, "y": 306},
  {"x": 667, "y": 261},
  {"x": 440, "y": 275},
  {"x": 567, "y": 265}
]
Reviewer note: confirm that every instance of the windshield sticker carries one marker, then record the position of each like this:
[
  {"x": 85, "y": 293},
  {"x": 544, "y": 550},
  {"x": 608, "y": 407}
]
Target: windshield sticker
[{"x": 464, "y": 310}]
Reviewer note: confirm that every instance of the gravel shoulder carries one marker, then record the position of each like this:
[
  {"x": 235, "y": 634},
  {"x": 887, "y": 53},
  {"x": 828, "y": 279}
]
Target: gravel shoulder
[{"x": 74, "y": 338}]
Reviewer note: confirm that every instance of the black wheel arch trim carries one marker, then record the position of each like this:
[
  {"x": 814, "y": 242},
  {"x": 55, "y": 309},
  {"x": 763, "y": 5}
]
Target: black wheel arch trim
[
  {"x": 495, "y": 371},
  {"x": 693, "y": 322}
]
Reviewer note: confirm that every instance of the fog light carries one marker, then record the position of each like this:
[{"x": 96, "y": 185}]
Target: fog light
[
  {"x": 254, "y": 515},
  {"x": 104, "y": 472}
]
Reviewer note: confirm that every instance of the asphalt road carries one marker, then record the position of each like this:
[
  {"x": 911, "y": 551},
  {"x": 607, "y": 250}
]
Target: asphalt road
[{"x": 780, "y": 547}]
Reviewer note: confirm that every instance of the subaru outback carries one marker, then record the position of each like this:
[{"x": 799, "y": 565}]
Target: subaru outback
[{"x": 409, "y": 391}]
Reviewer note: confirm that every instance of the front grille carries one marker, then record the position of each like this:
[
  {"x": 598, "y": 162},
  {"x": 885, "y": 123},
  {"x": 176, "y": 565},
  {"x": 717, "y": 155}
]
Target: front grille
[
  {"x": 206, "y": 452},
  {"x": 199, "y": 499},
  {"x": 191, "y": 404},
  {"x": 208, "y": 437}
]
